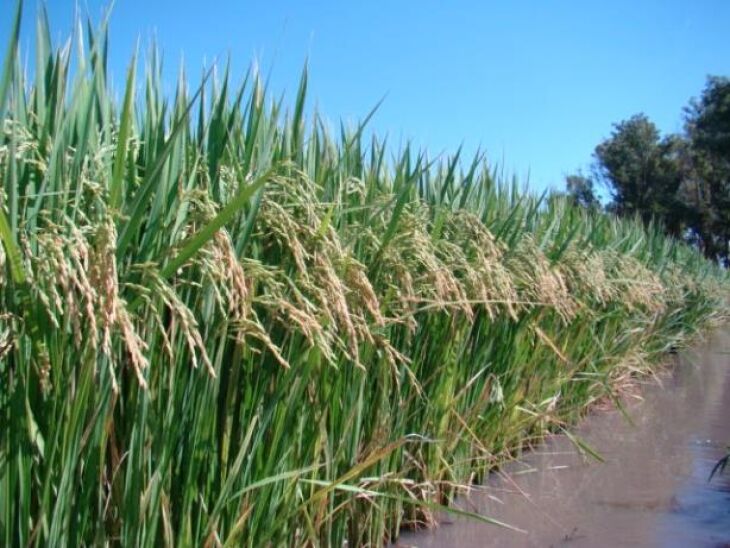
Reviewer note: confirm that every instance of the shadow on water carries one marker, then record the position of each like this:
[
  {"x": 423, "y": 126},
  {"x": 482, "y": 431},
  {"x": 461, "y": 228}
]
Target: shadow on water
[{"x": 653, "y": 489}]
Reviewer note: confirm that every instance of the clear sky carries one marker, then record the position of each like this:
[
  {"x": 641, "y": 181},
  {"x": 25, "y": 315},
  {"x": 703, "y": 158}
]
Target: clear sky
[{"x": 536, "y": 84}]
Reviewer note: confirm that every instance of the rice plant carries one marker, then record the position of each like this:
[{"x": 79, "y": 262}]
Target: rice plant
[{"x": 222, "y": 324}]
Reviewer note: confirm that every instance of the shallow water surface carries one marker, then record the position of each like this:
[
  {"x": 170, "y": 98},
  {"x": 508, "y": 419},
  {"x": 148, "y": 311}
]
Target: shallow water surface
[{"x": 651, "y": 491}]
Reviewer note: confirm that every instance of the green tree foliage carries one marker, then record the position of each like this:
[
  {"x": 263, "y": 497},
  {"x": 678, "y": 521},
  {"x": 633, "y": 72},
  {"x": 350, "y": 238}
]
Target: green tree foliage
[
  {"x": 708, "y": 167},
  {"x": 642, "y": 172},
  {"x": 581, "y": 190},
  {"x": 680, "y": 181}
]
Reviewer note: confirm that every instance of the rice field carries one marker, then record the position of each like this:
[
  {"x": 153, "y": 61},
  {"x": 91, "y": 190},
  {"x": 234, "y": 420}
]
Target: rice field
[{"x": 224, "y": 323}]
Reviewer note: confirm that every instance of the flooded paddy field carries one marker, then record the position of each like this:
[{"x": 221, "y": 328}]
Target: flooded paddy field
[{"x": 652, "y": 489}]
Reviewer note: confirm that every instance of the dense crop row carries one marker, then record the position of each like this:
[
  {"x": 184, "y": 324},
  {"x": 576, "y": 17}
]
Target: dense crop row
[{"x": 222, "y": 324}]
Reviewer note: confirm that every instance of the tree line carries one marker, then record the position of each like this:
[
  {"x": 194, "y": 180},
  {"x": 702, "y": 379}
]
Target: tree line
[{"x": 681, "y": 181}]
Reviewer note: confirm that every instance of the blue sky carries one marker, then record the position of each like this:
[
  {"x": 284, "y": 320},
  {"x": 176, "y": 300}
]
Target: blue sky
[{"x": 536, "y": 84}]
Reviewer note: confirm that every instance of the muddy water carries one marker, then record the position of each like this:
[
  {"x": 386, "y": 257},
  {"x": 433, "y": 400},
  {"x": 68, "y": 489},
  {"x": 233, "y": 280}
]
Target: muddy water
[{"x": 651, "y": 491}]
